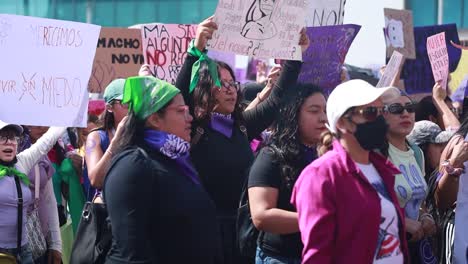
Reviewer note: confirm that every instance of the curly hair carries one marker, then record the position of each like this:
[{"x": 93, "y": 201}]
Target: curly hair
[
  {"x": 203, "y": 97},
  {"x": 286, "y": 140}
]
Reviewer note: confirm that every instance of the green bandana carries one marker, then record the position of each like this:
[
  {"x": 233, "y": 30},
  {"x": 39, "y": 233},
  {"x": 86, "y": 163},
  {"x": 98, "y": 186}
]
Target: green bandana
[
  {"x": 145, "y": 95},
  {"x": 10, "y": 171},
  {"x": 212, "y": 67}
]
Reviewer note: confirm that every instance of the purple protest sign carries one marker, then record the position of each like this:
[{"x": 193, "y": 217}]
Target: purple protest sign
[
  {"x": 417, "y": 73},
  {"x": 325, "y": 56}
]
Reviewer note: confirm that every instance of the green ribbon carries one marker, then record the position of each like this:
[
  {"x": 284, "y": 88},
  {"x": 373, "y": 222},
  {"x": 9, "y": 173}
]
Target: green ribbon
[
  {"x": 212, "y": 67},
  {"x": 10, "y": 171}
]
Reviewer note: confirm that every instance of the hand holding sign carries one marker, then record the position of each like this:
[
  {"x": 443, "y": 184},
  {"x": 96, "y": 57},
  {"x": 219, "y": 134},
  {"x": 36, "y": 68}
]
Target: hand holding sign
[
  {"x": 205, "y": 32},
  {"x": 304, "y": 41}
]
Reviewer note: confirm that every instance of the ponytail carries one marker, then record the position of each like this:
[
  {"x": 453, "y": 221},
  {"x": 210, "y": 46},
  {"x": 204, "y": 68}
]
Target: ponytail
[{"x": 326, "y": 142}]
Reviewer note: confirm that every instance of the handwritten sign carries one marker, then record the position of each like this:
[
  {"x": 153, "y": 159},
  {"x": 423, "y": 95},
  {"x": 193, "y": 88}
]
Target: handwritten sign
[
  {"x": 324, "y": 58},
  {"x": 49, "y": 65},
  {"x": 417, "y": 74},
  {"x": 399, "y": 34},
  {"x": 325, "y": 13},
  {"x": 165, "y": 48},
  {"x": 438, "y": 56},
  {"x": 391, "y": 70},
  {"x": 259, "y": 28},
  {"x": 118, "y": 55}
]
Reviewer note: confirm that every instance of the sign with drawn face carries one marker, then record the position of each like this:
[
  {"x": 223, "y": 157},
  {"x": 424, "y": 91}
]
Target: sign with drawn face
[
  {"x": 259, "y": 28},
  {"x": 45, "y": 79},
  {"x": 399, "y": 33}
]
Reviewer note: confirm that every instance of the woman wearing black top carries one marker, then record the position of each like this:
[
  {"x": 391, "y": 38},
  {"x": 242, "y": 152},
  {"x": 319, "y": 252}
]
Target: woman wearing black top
[
  {"x": 222, "y": 131},
  {"x": 158, "y": 210},
  {"x": 275, "y": 171}
]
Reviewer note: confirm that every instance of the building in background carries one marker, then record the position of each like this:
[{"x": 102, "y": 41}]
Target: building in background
[{"x": 367, "y": 50}]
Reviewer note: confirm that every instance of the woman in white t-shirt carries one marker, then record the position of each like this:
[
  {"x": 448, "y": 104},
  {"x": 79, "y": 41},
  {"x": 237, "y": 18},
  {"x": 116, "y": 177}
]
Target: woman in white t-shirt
[{"x": 410, "y": 185}]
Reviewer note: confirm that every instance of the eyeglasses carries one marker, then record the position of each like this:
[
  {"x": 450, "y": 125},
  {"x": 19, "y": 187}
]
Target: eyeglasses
[
  {"x": 12, "y": 138},
  {"x": 398, "y": 109},
  {"x": 369, "y": 113},
  {"x": 232, "y": 84}
]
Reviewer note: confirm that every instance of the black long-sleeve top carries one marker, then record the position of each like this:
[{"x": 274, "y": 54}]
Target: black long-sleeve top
[
  {"x": 157, "y": 214},
  {"x": 222, "y": 162}
]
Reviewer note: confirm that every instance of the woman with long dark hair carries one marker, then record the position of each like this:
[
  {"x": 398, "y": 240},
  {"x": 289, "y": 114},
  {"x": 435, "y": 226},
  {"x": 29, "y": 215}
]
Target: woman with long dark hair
[
  {"x": 276, "y": 169},
  {"x": 222, "y": 130},
  {"x": 158, "y": 209}
]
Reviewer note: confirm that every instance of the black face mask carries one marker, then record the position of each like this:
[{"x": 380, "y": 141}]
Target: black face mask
[{"x": 372, "y": 135}]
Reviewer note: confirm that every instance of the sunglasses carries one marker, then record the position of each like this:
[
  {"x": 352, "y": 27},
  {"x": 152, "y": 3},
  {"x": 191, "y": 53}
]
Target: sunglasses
[
  {"x": 398, "y": 109},
  {"x": 369, "y": 113}
]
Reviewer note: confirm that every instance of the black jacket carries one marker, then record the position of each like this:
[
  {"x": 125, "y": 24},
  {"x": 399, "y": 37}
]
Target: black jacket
[{"x": 158, "y": 215}]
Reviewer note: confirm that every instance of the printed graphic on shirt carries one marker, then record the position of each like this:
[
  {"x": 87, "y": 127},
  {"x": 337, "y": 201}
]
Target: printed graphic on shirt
[
  {"x": 411, "y": 189},
  {"x": 387, "y": 244}
]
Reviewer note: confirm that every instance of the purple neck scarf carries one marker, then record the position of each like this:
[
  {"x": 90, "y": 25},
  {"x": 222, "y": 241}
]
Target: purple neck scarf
[
  {"x": 222, "y": 123},
  {"x": 174, "y": 148}
]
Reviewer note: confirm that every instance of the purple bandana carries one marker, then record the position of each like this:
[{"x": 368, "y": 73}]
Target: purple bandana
[
  {"x": 222, "y": 123},
  {"x": 174, "y": 148}
]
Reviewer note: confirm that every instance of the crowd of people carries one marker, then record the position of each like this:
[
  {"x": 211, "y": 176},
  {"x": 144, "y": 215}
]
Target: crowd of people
[{"x": 364, "y": 175}]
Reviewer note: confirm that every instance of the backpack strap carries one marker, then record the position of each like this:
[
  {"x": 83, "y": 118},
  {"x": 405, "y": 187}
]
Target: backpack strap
[
  {"x": 418, "y": 155},
  {"x": 19, "y": 217}
]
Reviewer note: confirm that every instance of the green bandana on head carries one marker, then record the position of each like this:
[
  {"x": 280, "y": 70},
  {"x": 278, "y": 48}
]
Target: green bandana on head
[
  {"x": 212, "y": 67},
  {"x": 145, "y": 95}
]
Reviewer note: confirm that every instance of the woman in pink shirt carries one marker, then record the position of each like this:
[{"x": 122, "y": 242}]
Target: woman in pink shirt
[{"x": 347, "y": 207}]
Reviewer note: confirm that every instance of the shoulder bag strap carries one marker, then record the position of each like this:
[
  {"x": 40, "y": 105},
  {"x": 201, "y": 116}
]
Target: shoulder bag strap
[{"x": 20, "y": 215}]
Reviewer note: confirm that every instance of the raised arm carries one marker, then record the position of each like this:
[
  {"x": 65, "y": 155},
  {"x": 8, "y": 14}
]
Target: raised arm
[
  {"x": 449, "y": 118},
  {"x": 204, "y": 32},
  {"x": 29, "y": 157},
  {"x": 455, "y": 153},
  {"x": 263, "y": 115}
]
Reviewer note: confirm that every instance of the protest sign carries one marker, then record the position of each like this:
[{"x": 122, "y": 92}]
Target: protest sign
[
  {"x": 324, "y": 58},
  {"x": 417, "y": 74},
  {"x": 259, "y": 28},
  {"x": 48, "y": 68},
  {"x": 391, "y": 70},
  {"x": 325, "y": 13},
  {"x": 461, "y": 71},
  {"x": 459, "y": 93},
  {"x": 226, "y": 57},
  {"x": 165, "y": 48},
  {"x": 438, "y": 56},
  {"x": 399, "y": 34},
  {"x": 118, "y": 55}
]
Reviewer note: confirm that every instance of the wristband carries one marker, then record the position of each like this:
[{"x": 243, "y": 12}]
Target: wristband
[{"x": 455, "y": 172}]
